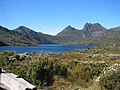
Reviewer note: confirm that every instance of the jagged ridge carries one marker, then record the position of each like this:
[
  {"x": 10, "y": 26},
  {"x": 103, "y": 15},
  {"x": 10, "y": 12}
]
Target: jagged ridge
[{"x": 91, "y": 33}]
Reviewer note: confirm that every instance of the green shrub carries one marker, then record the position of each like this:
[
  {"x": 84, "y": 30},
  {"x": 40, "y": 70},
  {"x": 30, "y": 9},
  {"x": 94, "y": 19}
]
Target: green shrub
[
  {"x": 111, "y": 80},
  {"x": 85, "y": 73},
  {"x": 4, "y": 58},
  {"x": 46, "y": 71}
]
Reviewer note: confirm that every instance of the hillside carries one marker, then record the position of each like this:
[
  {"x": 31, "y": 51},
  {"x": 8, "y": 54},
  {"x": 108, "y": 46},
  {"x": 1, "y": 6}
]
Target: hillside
[
  {"x": 111, "y": 37},
  {"x": 90, "y": 34},
  {"x": 21, "y": 36},
  {"x": 75, "y": 36},
  {"x": 8, "y": 37},
  {"x": 36, "y": 37},
  {"x": 69, "y": 34},
  {"x": 95, "y": 68}
]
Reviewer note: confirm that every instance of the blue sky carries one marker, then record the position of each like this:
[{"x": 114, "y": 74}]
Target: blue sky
[{"x": 51, "y": 16}]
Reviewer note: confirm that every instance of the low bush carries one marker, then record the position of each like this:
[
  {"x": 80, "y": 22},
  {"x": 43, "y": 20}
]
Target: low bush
[
  {"x": 47, "y": 69},
  {"x": 84, "y": 73},
  {"x": 111, "y": 80}
]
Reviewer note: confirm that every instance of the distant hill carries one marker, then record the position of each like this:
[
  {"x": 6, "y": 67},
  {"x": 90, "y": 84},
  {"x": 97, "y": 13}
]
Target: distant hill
[{"x": 90, "y": 34}]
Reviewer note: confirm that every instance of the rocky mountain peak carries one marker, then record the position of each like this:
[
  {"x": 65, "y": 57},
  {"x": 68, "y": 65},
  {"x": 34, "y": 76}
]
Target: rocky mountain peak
[
  {"x": 97, "y": 24},
  {"x": 87, "y": 24},
  {"x": 23, "y": 28},
  {"x": 93, "y": 27},
  {"x": 67, "y": 30},
  {"x": 68, "y": 27},
  {"x": 88, "y": 27}
]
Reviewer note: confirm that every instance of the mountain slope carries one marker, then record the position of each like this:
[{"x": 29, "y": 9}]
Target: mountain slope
[
  {"x": 32, "y": 35},
  {"x": 8, "y": 37},
  {"x": 21, "y": 36},
  {"x": 72, "y": 35},
  {"x": 110, "y": 37},
  {"x": 69, "y": 34},
  {"x": 93, "y": 30},
  {"x": 90, "y": 34}
]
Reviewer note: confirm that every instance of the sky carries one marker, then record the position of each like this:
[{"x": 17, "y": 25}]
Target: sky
[{"x": 52, "y": 16}]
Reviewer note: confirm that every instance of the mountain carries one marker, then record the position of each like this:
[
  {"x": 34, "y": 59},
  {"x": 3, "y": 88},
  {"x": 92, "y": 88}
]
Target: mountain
[
  {"x": 9, "y": 37},
  {"x": 36, "y": 37},
  {"x": 72, "y": 35},
  {"x": 69, "y": 34},
  {"x": 68, "y": 31},
  {"x": 93, "y": 27},
  {"x": 21, "y": 36},
  {"x": 110, "y": 37},
  {"x": 93, "y": 30},
  {"x": 90, "y": 34}
]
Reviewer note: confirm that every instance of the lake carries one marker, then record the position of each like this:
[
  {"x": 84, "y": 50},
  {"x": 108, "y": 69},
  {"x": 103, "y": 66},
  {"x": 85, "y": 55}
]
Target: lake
[{"x": 57, "y": 48}]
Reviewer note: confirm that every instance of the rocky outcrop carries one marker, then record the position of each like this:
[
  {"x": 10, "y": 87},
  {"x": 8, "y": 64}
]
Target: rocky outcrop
[{"x": 11, "y": 81}]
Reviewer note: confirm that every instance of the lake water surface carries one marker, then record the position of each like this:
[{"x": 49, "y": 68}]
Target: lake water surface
[{"x": 43, "y": 47}]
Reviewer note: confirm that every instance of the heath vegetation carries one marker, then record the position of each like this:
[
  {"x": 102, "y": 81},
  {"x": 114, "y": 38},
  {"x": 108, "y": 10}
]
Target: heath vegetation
[{"x": 96, "y": 68}]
